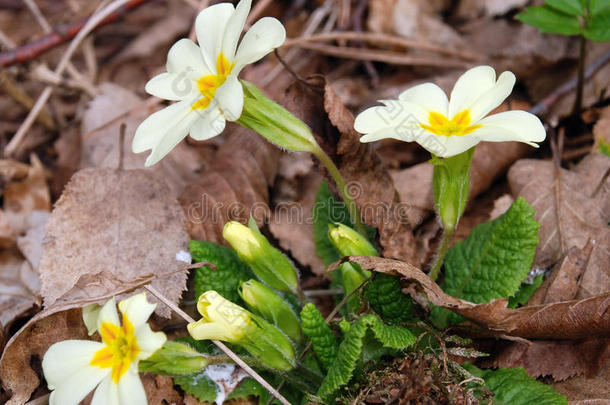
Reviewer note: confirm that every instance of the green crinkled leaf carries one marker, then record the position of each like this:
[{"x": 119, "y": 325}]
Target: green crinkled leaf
[
  {"x": 495, "y": 258},
  {"x": 230, "y": 271},
  {"x": 317, "y": 330},
  {"x": 598, "y": 28},
  {"x": 549, "y": 20},
  {"x": 328, "y": 210},
  {"x": 198, "y": 385},
  {"x": 572, "y": 7},
  {"x": 385, "y": 296},
  {"x": 492, "y": 262},
  {"x": 525, "y": 292},
  {"x": 351, "y": 348},
  {"x": 512, "y": 386}
]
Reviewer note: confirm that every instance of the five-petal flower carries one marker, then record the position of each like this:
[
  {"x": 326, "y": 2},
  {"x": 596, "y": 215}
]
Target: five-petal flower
[
  {"x": 203, "y": 79},
  {"x": 73, "y": 368},
  {"x": 448, "y": 127}
]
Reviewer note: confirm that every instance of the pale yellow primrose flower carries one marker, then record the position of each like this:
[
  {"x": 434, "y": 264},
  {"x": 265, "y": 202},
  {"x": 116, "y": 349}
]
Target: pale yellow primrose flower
[
  {"x": 203, "y": 79},
  {"x": 73, "y": 368},
  {"x": 449, "y": 127}
]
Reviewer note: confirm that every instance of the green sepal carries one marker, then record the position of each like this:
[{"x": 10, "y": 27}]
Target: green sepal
[
  {"x": 174, "y": 359},
  {"x": 273, "y": 122},
  {"x": 451, "y": 183}
]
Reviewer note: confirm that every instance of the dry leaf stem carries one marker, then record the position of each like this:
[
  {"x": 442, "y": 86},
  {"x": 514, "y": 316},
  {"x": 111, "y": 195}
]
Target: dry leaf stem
[{"x": 222, "y": 347}]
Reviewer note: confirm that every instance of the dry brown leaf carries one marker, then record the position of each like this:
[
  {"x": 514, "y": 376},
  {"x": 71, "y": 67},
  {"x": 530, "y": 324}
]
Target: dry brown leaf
[
  {"x": 26, "y": 196},
  {"x": 160, "y": 390},
  {"x": 100, "y": 127},
  {"x": 7, "y": 236},
  {"x": 571, "y": 207},
  {"x": 107, "y": 230},
  {"x": 19, "y": 287},
  {"x": 12, "y": 170},
  {"x": 368, "y": 180},
  {"x": 582, "y": 390},
  {"x": 559, "y": 359},
  {"x": 233, "y": 188},
  {"x": 20, "y": 362},
  {"x": 468, "y": 9},
  {"x": 589, "y": 317}
]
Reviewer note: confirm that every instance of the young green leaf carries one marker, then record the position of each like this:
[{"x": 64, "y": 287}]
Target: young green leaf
[
  {"x": 229, "y": 272},
  {"x": 598, "y": 28},
  {"x": 249, "y": 387},
  {"x": 512, "y": 386},
  {"x": 572, "y": 7},
  {"x": 495, "y": 258},
  {"x": 351, "y": 348},
  {"x": 385, "y": 296},
  {"x": 549, "y": 20},
  {"x": 604, "y": 147},
  {"x": 492, "y": 262},
  {"x": 598, "y": 6},
  {"x": 315, "y": 327}
]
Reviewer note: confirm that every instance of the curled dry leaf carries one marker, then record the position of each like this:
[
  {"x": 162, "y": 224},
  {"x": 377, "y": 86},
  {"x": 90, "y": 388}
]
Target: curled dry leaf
[
  {"x": 19, "y": 287},
  {"x": 20, "y": 362},
  {"x": 26, "y": 196},
  {"x": 559, "y": 359},
  {"x": 589, "y": 317},
  {"x": 572, "y": 206},
  {"x": 368, "y": 180},
  {"x": 234, "y": 187},
  {"x": 107, "y": 230}
]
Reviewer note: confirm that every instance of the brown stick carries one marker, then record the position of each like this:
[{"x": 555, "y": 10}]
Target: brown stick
[
  {"x": 61, "y": 33},
  {"x": 381, "y": 39},
  {"x": 393, "y": 58}
]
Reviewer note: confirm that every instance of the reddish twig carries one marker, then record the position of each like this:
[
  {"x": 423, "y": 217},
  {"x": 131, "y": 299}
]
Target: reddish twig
[{"x": 61, "y": 33}]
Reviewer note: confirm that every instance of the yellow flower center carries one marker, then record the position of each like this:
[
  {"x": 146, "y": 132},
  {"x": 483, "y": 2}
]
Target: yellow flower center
[
  {"x": 120, "y": 351},
  {"x": 458, "y": 125},
  {"x": 210, "y": 83}
]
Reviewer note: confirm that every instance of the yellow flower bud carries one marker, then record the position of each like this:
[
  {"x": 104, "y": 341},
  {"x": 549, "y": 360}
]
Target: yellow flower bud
[{"x": 349, "y": 242}]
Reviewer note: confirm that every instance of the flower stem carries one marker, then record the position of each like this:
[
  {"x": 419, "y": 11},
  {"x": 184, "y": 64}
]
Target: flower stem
[
  {"x": 440, "y": 254},
  {"x": 581, "y": 75},
  {"x": 340, "y": 182}
]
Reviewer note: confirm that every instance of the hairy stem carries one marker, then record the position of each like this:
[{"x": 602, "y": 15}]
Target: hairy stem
[
  {"x": 340, "y": 182},
  {"x": 443, "y": 247}
]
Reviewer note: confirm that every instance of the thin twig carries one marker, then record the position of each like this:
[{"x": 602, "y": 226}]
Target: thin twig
[
  {"x": 393, "y": 58},
  {"x": 62, "y": 33},
  {"x": 222, "y": 347},
  {"x": 93, "y": 22},
  {"x": 9, "y": 87},
  {"x": 553, "y": 97},
  {"x": 384, "y": 39}
]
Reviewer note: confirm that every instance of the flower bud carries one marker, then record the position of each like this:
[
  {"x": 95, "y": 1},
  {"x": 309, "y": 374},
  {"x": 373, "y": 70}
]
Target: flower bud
[
  {"x": 268, "y": 263},
  {"x": 265, "y": 302},
  {"x": 352, "y": 278},
  {"x": 349, "y": 242},
  {"x": 226, "y": 321},
  {"x": 174, "y": 359}
]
